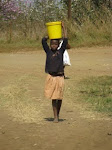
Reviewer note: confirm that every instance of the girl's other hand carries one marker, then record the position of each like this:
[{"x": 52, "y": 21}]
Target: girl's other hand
[{"x": 68, "y": 46}]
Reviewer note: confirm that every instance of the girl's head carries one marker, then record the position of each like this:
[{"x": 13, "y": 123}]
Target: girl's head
[{"x": 54, "y": 44}]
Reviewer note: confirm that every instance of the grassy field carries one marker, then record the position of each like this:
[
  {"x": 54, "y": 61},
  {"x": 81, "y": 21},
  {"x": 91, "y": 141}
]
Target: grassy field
[{"x": 98, "y": 92}]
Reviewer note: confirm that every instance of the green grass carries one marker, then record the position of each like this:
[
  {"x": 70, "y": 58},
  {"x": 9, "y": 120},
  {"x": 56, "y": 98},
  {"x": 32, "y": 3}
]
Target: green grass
[
  {"x": 98, "y": 92},
  {"x": 21, "y": 45}
]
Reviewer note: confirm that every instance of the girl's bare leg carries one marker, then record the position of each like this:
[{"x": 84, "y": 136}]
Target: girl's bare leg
[
  {"x": 54, "y": 105},
  {"x": 59, "y": 103}
]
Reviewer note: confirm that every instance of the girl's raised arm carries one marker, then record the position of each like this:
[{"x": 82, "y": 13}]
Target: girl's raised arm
[
  {"x": 44, "y": 44},
  {"x": 64, "y": 30}
]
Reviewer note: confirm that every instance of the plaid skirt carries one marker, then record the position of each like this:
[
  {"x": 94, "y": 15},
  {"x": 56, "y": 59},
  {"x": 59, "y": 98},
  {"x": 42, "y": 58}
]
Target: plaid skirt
[{"x": 54, "y": 87}]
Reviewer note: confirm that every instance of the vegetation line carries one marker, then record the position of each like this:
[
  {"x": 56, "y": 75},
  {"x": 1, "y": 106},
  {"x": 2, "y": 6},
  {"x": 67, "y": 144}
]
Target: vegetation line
[{"x": 22, "y": 23}]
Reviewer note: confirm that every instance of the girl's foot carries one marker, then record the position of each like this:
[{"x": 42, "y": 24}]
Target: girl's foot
[{"x": 55, "y": 120}]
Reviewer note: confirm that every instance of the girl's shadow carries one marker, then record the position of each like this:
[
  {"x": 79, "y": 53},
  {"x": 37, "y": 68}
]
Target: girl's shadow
[{"x": 52, "y": 119}]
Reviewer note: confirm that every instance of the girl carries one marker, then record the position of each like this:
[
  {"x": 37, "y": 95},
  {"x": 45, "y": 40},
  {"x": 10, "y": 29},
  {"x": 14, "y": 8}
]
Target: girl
[{"x": 54, "y": 67}]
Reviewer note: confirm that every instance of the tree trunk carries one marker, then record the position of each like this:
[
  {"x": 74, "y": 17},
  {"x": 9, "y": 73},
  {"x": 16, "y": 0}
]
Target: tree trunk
[
  {"x": 69, "y": 9},
  {"x": 10, "y": 31}
]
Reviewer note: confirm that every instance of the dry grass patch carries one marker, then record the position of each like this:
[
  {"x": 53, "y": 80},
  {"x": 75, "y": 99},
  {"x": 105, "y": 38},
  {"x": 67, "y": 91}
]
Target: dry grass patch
[{"x": 22, "y": 107}]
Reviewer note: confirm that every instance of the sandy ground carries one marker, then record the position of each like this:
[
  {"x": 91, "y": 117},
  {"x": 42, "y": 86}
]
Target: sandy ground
[{"x": 26, "y": 116}]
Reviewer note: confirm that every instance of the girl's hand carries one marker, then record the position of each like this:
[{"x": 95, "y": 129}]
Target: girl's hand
[
  {"x": 62, "y": 24},
  {"x": 46, "y": 37},
  {"x": 64, "y": 30}
]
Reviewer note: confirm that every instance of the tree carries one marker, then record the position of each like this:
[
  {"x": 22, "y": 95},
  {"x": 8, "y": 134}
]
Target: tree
[
  {"x": 9, "y": 10},
  {"x": 67, "y": 5}
]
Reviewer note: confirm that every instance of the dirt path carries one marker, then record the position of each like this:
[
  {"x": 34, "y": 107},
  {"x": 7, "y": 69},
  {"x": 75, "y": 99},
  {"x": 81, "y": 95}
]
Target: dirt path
[{"x": 26, "y": 116}]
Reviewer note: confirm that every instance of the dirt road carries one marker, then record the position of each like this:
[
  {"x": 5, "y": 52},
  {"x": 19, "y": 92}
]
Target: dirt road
[{"x": 26, "y": 116}]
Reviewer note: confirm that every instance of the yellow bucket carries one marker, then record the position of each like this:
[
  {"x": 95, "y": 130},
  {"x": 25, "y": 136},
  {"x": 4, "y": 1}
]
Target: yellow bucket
[{"x": 54, "y": 30}]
